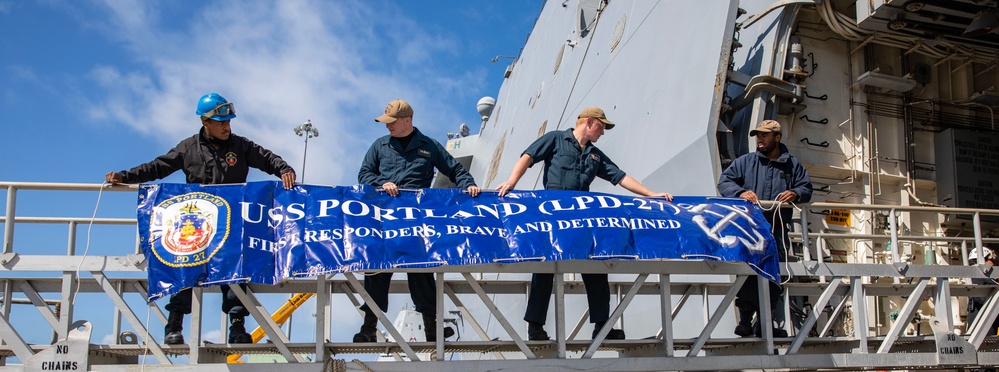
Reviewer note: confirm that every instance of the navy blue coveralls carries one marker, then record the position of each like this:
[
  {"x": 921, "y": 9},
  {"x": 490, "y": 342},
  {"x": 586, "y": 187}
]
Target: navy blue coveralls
[
  {"x": 569, "y": 167},
  {"x": 202, "y": 163},
  {"x": 767, "y": 178},
  {"x": 409, "y": 168}
]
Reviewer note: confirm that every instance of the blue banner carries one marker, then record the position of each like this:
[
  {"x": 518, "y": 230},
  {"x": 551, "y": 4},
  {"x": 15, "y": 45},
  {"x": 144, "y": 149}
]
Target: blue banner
[{"x": 202, "y": 235}]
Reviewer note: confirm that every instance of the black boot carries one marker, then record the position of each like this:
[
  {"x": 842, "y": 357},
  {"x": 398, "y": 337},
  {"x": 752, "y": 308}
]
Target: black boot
[
  {"x": 780, "y": 332},
  {"x": 777, "y": 332},
  {"x": 430, "y": 327},
  {"x": 614, "y": 334},
  {"x": 369, "y": 329},
  {"x": 237, "y": 331},
  {"x": 174, "y": 325},
  {"x": 745, "y": 326},
  {"x": 536, "y": 332}
]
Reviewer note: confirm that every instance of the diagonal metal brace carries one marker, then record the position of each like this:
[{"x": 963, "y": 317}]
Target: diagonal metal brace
[
  {"x": 618, "y": 311},
  {"x": 9, "y": 335},
  {"x": 983, "y": 322},
  {"x": 471, "y": 319},
  {"x": 908, "y": 310},
  {"x": 499, "y": 316},
  {"x": 359, "y": 288},
  {"x": 691, "y": 290},
  {"x": 257, "y": 310},
  {"x": 357, "y": 306},
  {"x": 814, "y": 315},
  {"x": 141, "y": 291},
  {"x": 129, "y": 315},
  {"x": 42, "y": 307},
  {"x": 713, "y": 322}
]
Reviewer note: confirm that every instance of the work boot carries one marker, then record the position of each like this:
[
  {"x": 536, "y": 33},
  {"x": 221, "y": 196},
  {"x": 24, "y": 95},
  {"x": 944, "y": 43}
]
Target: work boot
[
  {"x": 174, "y": 325},
  {"x": 237, "y": 331},
  {"x": 778, "y": 332},
  {"x": 745, "y": 326},
  {"x": 430, "y": 327},
  {"x": 614, "y": 334},
  {"x": 536, "y": 332},
  {"x": 369, "y": 329}
]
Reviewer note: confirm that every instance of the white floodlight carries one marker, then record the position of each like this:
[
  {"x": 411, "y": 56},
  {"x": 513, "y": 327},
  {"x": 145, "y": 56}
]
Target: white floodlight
[
  {"x": 306, "y": 130},
  {"x": 877, "y": 79}
]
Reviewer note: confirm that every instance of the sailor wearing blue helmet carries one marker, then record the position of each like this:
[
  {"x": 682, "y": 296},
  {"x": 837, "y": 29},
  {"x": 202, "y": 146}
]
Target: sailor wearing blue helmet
[{"x": 213, "y": 156}]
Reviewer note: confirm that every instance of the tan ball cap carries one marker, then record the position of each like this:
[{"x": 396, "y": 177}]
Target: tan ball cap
[
  {"x": 597, "y": 113},
  {"x": 395, "y": 109},
  {"x": 766, "y": 126}
]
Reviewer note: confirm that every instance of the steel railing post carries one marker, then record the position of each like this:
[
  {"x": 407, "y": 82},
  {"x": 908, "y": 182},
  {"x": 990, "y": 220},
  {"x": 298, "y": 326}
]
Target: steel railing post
[
  {"x": 805, "y": 249},
  {"x": 978, "y": 235},
  {"x": 8, "y": 227},
  {"x": 666, "y": 303},
  {"x": 322, "y": 327},
  {"x": 893, "y": 223},
  {"x": 69, "y": 287},
  {"x": 197, "y": 328},
  {"x": 964, "y": 252}
]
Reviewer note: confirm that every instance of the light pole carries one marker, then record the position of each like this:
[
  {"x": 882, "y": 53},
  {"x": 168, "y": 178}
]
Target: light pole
[{"x": 306, "y": 130}]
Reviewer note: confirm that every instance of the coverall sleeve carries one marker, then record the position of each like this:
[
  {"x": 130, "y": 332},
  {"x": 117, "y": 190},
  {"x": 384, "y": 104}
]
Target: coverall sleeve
[
  {"x": 802, "y": 183},
  {"x": 731, "y": 182},
  {"x": 609, "y": 171},
  {"x": 369, "y": 174},
  {"x": 161, "y": 167},
  {"x": 542, "y": 149},
  {"x": 450, "y": 167},
  {"x": 265, "y": 160}
]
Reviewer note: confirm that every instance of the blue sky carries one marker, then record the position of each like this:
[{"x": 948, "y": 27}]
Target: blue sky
[
  {"x": 106, "y": 85},
  {"x": 91, "y": 86}
]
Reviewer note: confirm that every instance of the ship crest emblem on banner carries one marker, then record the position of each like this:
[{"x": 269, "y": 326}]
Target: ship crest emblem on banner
[
  {"x": 189, "y": 229},
  {"x": 719, "y": 230}
]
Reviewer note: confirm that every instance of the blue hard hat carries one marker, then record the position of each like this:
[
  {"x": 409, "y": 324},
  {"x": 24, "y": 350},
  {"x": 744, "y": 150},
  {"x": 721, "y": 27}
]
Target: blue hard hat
[{"x": 214, "y": 106}]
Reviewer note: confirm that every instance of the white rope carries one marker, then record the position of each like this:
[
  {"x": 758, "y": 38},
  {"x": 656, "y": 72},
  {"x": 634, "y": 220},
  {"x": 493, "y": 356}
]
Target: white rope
[
  {"x": 783, "y": 227},
  {"x": 233, "y": 280},
  {"x": 145, "y": 343},
  {"x": 86, "y": 250}
]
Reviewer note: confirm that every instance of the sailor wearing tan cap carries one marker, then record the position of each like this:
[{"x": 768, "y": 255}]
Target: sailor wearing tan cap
[
  {"x": 405, "y": 159},
  {"x": 572, "y": 162},
  {"x": 770, "y": 173}
]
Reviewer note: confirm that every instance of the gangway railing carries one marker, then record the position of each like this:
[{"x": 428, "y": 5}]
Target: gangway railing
[{"x": 840, "y": 294}]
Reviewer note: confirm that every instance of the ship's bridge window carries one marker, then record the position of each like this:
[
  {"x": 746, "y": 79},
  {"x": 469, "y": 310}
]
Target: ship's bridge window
[{"x": 588, "y": 10}]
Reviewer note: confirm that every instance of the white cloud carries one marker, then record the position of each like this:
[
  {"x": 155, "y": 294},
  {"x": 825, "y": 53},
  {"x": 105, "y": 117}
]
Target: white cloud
[
  {"x": 107, "y": 339},
  {"x": 335, "y": 63},
  {"x": 212, "y": 336}
]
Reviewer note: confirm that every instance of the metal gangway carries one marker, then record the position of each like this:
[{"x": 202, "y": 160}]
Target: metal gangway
[{"x": 841, "y": 320}]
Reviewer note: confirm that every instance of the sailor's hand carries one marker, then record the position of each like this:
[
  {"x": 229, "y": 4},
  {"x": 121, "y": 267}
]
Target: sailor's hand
[
  {"x": 113, "y": 178},
  {"x": 505, "y": 187},
  {"x": 663, "y": 195},
  {"x": 390, "y": 188},
  {"x": 750, "y": 196},
  {"x": 473, "y": 191},
  {"x": 787, "y": 196},
  {"x": 288, "y": 178}
]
